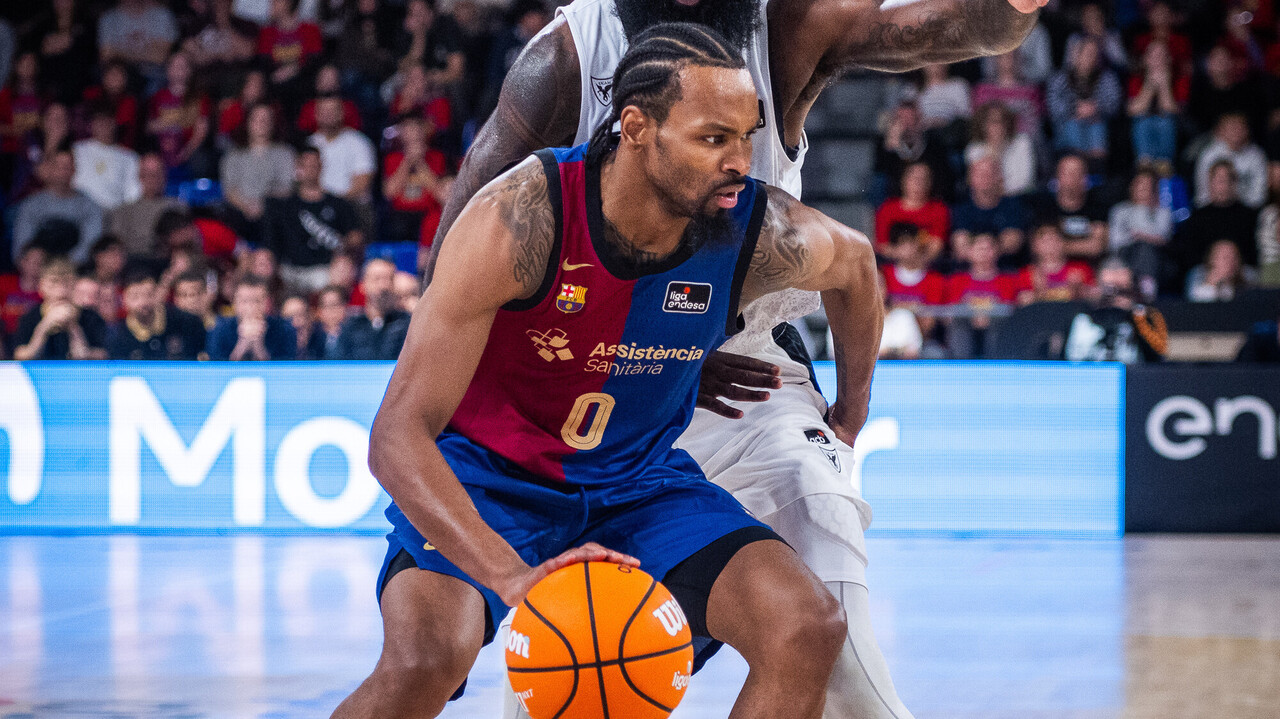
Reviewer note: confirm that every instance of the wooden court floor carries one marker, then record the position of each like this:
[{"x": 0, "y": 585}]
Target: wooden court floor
[{"x": 186, "y": 627}]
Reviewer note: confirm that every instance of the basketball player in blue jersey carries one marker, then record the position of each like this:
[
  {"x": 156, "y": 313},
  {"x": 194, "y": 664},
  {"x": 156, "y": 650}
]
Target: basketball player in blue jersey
[
  {"x": 781, "y": 458},
  {"x": 555, "y": 358}
]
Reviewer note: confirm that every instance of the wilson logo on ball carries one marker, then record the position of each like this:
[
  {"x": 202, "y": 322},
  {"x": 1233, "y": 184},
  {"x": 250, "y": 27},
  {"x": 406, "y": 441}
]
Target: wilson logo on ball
[
  {"x": 671, "y": 616},
  {"x": 518, "y": 643}
]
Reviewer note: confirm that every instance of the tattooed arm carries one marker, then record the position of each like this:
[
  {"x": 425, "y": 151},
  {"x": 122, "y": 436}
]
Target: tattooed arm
[
  {"x": 509, "y": 228},
  {"x": 538, "y": 108},
  {"x": 898, "y": 35},
  {"x": 802, "y": 248}
]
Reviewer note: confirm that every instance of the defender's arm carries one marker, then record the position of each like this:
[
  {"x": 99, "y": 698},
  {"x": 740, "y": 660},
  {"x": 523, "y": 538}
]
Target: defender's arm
[
  {"x": 802, "y": 248},
  {"x": 537, "y": 108},
  {"x": 509, "y": 229},
  {"x": 898, "y": 35}
]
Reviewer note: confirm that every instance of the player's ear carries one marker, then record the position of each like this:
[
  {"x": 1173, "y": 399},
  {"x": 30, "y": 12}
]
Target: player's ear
[{"x": 635, "y": 126}]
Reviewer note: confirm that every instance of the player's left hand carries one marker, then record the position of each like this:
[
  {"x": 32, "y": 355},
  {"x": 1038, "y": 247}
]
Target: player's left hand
[
  {"x": 732, "y": 377},
  {"x": 513, "y": 591},
  {"x": 846, "y": 421},
  {"x": 1028, "y": 6}
]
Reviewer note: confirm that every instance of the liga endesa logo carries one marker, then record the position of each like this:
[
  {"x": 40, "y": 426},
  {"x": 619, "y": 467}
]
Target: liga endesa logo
[{"x": 690, "y": 298}]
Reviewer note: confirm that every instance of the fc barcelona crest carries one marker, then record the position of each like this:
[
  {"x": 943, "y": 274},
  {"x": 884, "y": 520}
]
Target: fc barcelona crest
[{"x": 571, "y": 298}]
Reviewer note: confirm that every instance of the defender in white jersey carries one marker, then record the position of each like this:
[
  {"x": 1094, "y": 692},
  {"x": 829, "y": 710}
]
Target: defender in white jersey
[{"x": 786, "y": 460}]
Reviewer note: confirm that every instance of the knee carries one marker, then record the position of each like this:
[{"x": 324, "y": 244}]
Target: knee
[
  {"x": 812, "y": 632},
  {"x": 419, "y": 682},
  {"x": 828, "y": 628}
]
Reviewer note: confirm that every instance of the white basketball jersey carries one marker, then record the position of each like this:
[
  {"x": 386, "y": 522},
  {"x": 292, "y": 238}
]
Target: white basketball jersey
[{"x": 601, "y": 42}]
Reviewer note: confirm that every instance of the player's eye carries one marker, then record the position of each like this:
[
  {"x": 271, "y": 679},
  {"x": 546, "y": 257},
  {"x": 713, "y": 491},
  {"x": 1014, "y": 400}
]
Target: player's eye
[{"x": 714, "y": 139}]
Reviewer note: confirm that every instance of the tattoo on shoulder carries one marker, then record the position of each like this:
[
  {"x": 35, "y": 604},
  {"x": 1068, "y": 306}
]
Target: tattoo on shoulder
[
  {"x": 781, "y": 256},
  {"x": 522, "y": 201}
]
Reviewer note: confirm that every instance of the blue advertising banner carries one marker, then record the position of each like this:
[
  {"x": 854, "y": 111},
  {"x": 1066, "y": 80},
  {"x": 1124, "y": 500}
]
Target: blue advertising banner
[
  {"x": 1004, "y": 448},
  {"x": 993, "y": 447},
  {"x": 189, "y": 446}
]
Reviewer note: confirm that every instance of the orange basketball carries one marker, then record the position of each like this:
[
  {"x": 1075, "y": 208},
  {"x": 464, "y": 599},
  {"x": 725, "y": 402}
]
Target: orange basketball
[{"x": 599, "y": 640}]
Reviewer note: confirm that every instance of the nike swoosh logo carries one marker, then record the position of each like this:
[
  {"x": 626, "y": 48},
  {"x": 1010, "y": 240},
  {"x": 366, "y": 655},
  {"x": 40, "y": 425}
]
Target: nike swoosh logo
[{"x": 569, "y": 268}]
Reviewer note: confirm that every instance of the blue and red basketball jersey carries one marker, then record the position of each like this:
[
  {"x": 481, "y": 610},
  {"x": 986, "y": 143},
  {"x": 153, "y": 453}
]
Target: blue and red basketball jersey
[{"x": 591, "y": 380}]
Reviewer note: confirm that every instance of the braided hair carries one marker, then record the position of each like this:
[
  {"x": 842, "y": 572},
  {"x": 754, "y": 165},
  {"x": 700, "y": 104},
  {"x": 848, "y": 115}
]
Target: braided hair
[{"x": 648, "y": 75}]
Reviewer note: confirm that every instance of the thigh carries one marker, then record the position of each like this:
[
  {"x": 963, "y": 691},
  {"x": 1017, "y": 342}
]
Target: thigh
[
  {"x": 427, "y": 613},
  {"x": 763, "y": 584}
]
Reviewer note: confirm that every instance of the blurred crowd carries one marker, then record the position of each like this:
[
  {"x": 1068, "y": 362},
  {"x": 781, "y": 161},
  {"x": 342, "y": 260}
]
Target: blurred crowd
[
  {"x": 261, "y": 179},
  {"x": 233, "y": 179},
  {"x": 1127, "y": 153}
]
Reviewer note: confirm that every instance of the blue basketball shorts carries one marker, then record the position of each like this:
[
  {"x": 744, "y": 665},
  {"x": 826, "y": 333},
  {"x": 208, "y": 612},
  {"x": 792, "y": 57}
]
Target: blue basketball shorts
[{"x": 661, "y": 518}]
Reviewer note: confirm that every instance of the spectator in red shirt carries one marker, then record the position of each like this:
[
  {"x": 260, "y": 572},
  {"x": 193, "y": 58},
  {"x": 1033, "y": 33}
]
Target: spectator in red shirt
[
  {"x": 982, "y": 289},
  {"x": 918, "y": 207},
  {"x": 53, "y": 134},
  {"x": 418, "y": 96},
  {"x": 287, "y": 46},
  {"x": 21, "y": 105},
  {"x": 178, "y": 117},
  {"x": 1162, "y": 21},
  {"x": 908, "y": 281},
  {"x": 328, "y": 83},
  {"x": 21, "y": 291},
  {"x": 982, "y": 285},
  {"x": 1156, "y": 97},
  {"x": 114, "y": 92},
  {"x": 1051, "y": 277},
  {"x": 253, "y": 91},
  {"x": 412, "y": 183}
]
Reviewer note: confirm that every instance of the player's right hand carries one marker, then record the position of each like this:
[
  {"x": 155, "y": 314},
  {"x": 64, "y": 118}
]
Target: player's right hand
[
  {"x": 519, "y": 586},
  {"x": 732, "y": 377}
]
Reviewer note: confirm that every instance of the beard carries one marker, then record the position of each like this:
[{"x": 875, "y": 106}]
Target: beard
[
  {"x": 737, "y": 20},
  {"x": 708, "y": 230}
]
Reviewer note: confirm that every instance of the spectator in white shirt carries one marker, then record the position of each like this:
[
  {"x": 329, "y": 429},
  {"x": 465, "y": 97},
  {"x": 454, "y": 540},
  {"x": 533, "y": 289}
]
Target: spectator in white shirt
[
  {"x": 1231, "y": 143},
  {"x": 1138, "y": 228},
  {"x": 347, "y": 156},
  {"x": 995, "y": 133},
  {"x": 943, "y": 99},
  {"x": 105, "y": 170}
]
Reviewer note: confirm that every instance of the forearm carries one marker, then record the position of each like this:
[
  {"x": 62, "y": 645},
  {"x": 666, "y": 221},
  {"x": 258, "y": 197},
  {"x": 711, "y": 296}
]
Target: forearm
[
  {"x": 1139, "y": 103},
  {"x": 857, "y": 321},
  {"x": 409, "y": 465},
  {"x": 911, "y": 36},
  {"x": 79, "y": 347},
  {"x": 395, "y": 184},
  {"x": 32, "y": 349}
]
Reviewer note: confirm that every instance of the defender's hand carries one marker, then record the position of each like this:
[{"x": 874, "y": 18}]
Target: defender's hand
[
  {"x": 846, "y": 422},
  {"x": 518, "y": 586},
  {"x": 731, "y": 376},
  {"x": 1028, "y": 6}
]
